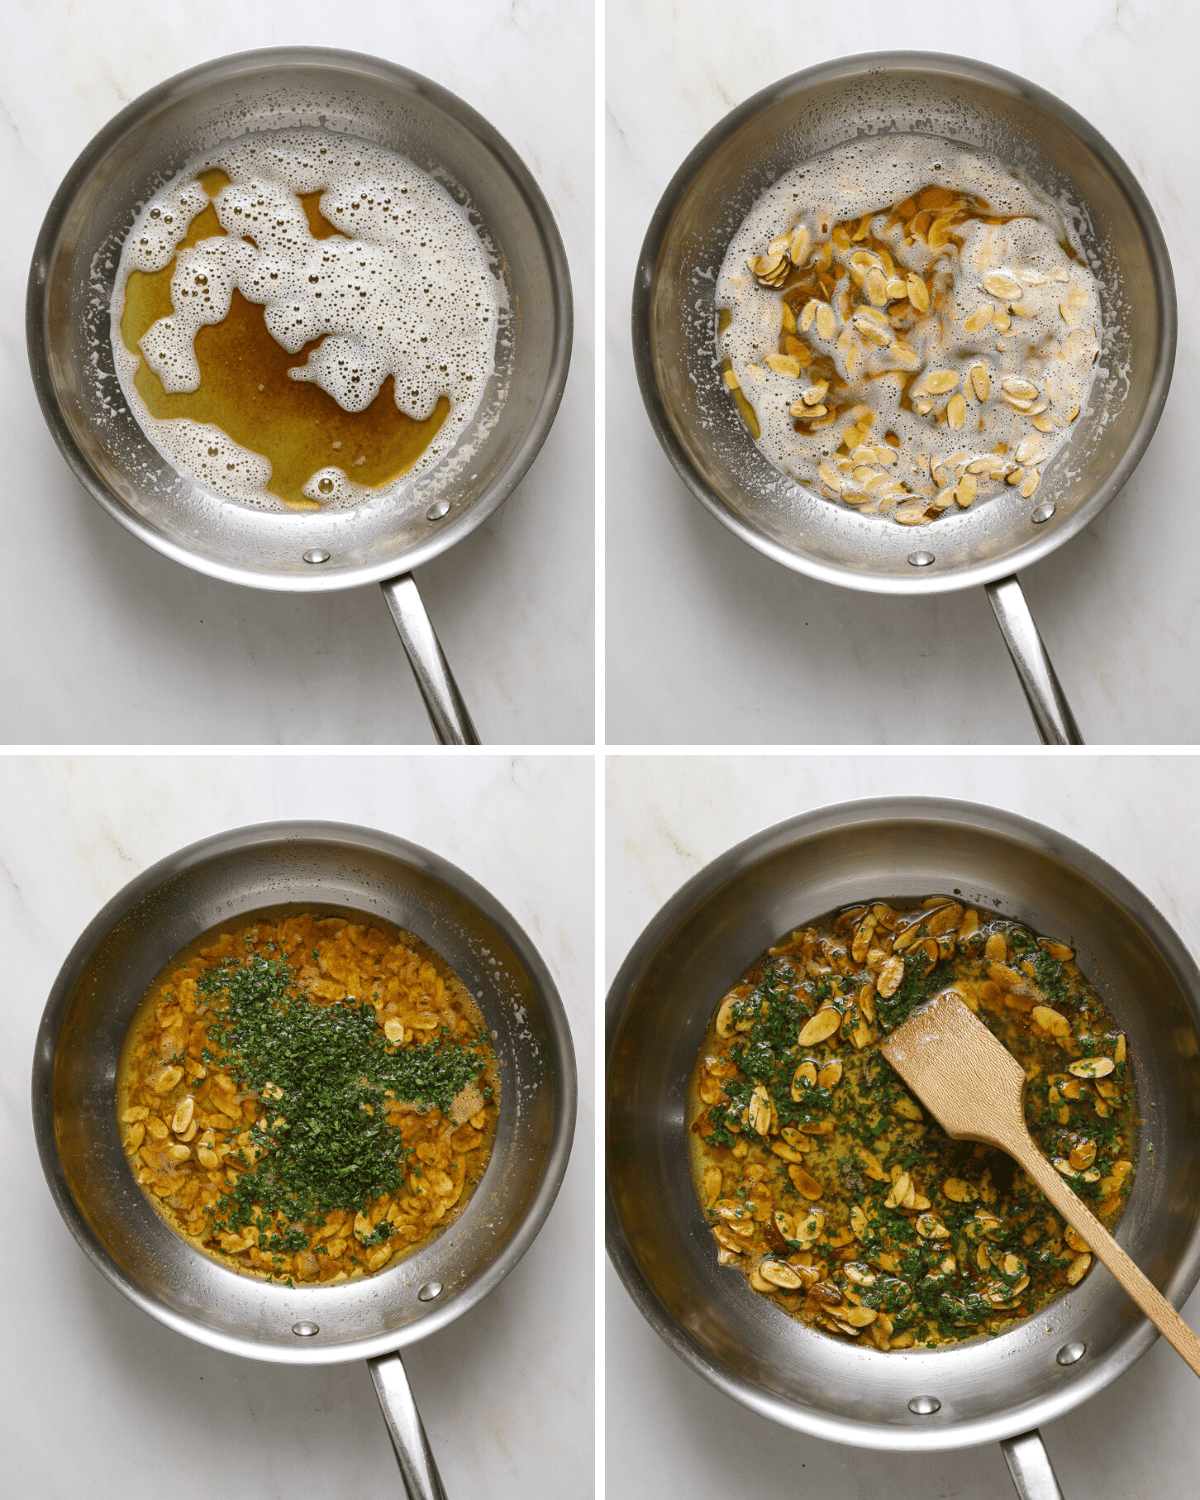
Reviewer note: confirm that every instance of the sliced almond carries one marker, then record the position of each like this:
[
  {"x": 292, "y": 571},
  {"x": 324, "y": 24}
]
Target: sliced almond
[
  {"x": 783, "y": 364},
  {"x": 938, "y": 382},
  {"x": 805, "y": 1183},
  {"x": 1052, "y": 1021},
  {"x": 1003, "y": 284},
  {"x": 1091, "y": 1067},
  {"x": 820, "y": 1027}
]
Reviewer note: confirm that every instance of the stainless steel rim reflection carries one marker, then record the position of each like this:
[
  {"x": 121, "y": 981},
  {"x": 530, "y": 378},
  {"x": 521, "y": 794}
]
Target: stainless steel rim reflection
[{"x": 659, "y": 1005}]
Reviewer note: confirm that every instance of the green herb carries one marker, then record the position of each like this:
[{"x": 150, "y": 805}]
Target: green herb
[{"x": 326, "y": 1075}]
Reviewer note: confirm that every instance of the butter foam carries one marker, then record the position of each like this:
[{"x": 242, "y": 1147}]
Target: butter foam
[{"x": 409, "y": 292}]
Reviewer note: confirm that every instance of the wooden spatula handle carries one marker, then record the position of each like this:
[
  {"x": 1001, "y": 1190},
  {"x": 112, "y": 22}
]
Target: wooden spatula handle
[{"x": 1084, "y": 1222}]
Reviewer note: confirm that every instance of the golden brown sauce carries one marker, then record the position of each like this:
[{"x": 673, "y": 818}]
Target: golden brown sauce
[
  {"x": 823, "y": 1181},
  {"x": 245, "y": 388},
  {"x": 236, "y": 1167}
]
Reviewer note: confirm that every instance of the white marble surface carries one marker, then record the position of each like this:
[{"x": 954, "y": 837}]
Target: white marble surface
[
  {"x": 711, "y": 643},
  {"x": 669, "y": 1431},
  {"x": 97, "y": 1398},
  {"x": 114, "y": 636}
]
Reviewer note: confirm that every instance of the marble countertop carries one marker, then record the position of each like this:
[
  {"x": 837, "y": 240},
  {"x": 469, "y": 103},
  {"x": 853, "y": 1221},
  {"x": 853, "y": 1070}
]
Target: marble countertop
[
  {"x": 669, "y": 1431},
  {"x": 99, "y": 1399},
  {"x": 709, "y": 642},
  {"x": 114, "y": 637}
]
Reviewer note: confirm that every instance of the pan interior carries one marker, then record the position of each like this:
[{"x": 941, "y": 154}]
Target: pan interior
[
  {"x": 950, "y": 98},
  {"x": 658, "y": 1011},
  {"x": 102, "y": 985},
  {"x": 71, "y": 285}
]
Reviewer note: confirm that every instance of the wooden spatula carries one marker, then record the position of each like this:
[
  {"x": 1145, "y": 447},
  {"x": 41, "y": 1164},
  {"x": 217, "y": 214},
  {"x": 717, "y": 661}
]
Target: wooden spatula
[{"x": 973, "y": 1086}]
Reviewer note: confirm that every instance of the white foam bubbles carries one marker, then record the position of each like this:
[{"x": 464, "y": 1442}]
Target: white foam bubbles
[{"x": 407, "y": 292}]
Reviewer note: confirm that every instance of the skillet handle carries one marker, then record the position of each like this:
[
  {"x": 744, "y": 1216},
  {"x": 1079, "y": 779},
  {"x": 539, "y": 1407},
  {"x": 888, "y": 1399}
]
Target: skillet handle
[
  {"x": 1047, "y": 701},
  {"x": 1030, "y": 1467},
  {"x": 413, "y": 1453},
  {"x": 444, "y": 703}
]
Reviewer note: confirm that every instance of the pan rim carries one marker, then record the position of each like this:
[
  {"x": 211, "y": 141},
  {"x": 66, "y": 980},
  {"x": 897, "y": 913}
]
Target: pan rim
[
  {"x": 1044, "y": 541},
  {"x": 348, "y": 63},
  {"x": 352, "y": 837},
  {"x": 844, "y": 816}
]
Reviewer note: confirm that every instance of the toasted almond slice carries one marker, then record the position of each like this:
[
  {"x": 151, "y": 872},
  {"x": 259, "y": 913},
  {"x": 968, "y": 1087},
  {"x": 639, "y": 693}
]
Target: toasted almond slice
[
  {"x": 801, "y": 245},
  {"x": 977, "y": 321},
  {"x": 897, "y": 289},
  {"x": 807, "y": 313},
  {"x": 1022, "y": 389},
  {"x": 890, "y": 975},
  {"x": 956, "y": 410},
  {"x": 815, "y": 394},
  {"x": 805, "y": 1183},
  {"x": 830, "y": 476},
  {"x": 907, "y": 1107},
  {"x": 980, "y": 382},
  {"x": 911, "y": 514},
  {"x": 1003, "y": 284},
  {"x": 1083, "y": 1155},
  {"x": 1030, "y": 483},
  {"x": 783, "y": 364},
  {"x": 1091, "y": 1067},
  {"x": 871, "y": 331},
  {"x": 964, "y": 491},
  {"x": 918, "y": 292},
  {"x": 875, "y": 286},
  {"x": 900, "y": 1190},
  {"x": 830, "y": 1074},
  {"x": 872, "y": 1166},
  {"x": 958, "y": 1190},
  {"x": 938, "y": 382},
  {"x": 1079, "y": 1268},
  {"x": 825, "y": 321},
  {"x": 805, "y": 1077},
  {"x": 820, "y": 1027},
  {"x": 1052, "y": 1021},
  {"x": 779, "y": 1274}
]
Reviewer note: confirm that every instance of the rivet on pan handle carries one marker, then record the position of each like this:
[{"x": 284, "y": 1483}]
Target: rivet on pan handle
[
  {"x": 413, "y": 1453},
  {"x": 1047, "y": 701},
  {"x": 1030, "y": 1467},
  {"x": 443, "y": 701}
]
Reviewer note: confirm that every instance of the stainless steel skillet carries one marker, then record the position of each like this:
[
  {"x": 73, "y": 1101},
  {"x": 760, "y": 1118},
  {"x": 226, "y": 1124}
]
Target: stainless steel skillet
[
  {"x": 659, "y": 1240},
  {"x": 674, "y": 328},
  {"x": 327, "y": 867},
  {"x": 67, "y": 329}
]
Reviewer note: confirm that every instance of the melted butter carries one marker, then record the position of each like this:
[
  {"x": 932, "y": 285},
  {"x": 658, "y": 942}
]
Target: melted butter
[{"x": 246, "y": 389}]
